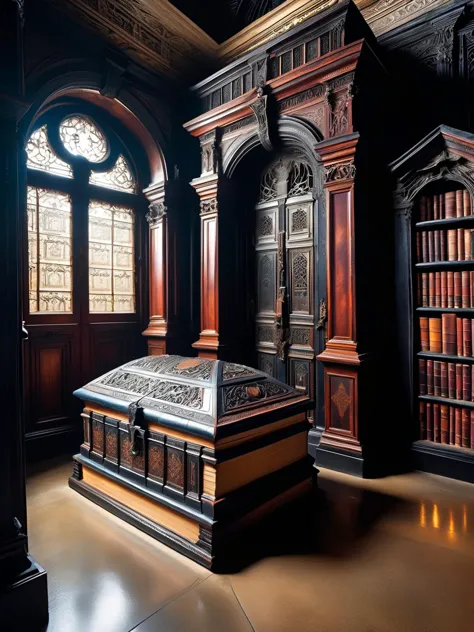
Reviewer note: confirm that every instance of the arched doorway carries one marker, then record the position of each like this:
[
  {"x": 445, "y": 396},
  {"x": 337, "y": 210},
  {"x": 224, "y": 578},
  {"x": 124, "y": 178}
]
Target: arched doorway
[{"x": 84, "y": 255}]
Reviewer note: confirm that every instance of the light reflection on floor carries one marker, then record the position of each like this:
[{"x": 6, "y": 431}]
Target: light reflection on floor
[{"x": 381, "y": 556}]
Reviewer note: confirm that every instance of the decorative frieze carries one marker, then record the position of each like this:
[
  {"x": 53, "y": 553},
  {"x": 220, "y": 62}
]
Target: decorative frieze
[
  {"x": 208, "y": 206},
  {"x": 341, "y": 171}
]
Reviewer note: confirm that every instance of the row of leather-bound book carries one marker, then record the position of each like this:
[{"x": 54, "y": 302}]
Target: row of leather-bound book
[
  {"x": 454, "y": 244},
  {"x": 450, "y": 335},
  {"x": 446, "y": 379},
  {"x": 446, "y": 289},
  {"x": 451, "y": 425},
  {"x": 445, "y": 205}
]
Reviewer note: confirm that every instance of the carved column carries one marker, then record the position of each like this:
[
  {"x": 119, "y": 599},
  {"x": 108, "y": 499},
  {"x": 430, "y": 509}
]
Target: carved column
[
  {"x": 157, "y": 329},
  {"x": 207, "y": 187},
  {"x": 170, "y": 231},
  {"x": 341, "y": 358},
  {"x": 23, "y": 592}
]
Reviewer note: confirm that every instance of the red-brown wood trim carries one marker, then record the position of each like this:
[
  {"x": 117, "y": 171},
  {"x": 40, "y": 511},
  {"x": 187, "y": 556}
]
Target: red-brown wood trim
[
  {"x": 158, "y": 269},
  {"x": 342, "y": 408},
  {"x": 208, "y": 343},
  {"x": 332, "y": 65}
]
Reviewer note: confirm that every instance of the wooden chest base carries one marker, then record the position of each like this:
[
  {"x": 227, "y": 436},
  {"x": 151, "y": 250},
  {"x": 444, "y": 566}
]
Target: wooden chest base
[{"x": 212, "y": 543}]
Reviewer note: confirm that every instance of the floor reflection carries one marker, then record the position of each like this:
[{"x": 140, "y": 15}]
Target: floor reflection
[{"x": 360, "y": 556}]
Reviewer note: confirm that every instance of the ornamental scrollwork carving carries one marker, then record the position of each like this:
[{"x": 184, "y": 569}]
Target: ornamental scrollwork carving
[
  {"x": 156, "y": 212},
  {"x": 339, "y": 110},
  {"x": 443, "y": 167},
  {"x": 342, "y": 171},
  {"x": 260, "y": 109},
  {"x": 209, "y": 206},
  {"x": 209, "y": 153}
]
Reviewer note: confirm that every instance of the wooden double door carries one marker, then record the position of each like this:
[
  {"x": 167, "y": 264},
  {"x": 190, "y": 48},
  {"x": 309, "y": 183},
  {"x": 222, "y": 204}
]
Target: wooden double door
[{"x": 287, "y": 279}]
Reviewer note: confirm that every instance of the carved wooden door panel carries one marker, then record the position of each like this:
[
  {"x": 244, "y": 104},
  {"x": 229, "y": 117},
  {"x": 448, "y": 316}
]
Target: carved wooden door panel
[{"x": 285, "y": 243}]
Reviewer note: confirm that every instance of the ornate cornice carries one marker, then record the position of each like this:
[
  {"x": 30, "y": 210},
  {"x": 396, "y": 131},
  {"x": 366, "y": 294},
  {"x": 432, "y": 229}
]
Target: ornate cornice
[
  {"x": 160, "y": 37},
  {"x": 153, "y": 32}
]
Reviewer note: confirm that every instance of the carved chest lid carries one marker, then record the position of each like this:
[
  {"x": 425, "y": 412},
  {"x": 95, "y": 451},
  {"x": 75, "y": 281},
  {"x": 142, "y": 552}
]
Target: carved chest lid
[{"x": 194, "y": 395}]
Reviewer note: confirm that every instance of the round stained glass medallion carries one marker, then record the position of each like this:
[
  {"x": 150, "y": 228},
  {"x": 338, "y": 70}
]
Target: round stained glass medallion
[{"x": 81, "y": 137}]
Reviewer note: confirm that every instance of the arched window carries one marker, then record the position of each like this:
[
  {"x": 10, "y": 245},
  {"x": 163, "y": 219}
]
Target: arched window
[{"x": 81, "y": 201}]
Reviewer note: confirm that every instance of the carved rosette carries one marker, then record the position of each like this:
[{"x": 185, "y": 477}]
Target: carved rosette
[
  {"x": 342, "y": 171},
  {"x": 208, "y": 206},
  {"x": 156, "y": 212}
]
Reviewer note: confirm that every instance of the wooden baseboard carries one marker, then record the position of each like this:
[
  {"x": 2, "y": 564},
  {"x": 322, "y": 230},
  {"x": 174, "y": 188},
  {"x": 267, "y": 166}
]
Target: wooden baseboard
[{"x": 444, "y": 460}]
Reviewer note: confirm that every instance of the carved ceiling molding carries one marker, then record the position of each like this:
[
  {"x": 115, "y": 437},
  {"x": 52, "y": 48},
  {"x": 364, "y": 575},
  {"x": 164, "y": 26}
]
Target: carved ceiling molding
[
  {"x": 153, "y": 32},
  {"x": 385, "y": 15},
  {"x": 160, "y": 37}
]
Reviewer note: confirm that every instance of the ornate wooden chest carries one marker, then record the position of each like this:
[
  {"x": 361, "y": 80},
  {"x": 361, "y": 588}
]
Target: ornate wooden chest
[{"x": 191, "y": 450}]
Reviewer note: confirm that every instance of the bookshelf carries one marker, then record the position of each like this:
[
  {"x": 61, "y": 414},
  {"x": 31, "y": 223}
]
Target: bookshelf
[
  {"x": 443, "y": 284},
  {"x": 434, "y": 295}
]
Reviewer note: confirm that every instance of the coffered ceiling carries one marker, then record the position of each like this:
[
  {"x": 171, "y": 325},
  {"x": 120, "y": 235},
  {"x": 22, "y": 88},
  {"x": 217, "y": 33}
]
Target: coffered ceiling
[{"x": 183, "y": 38}]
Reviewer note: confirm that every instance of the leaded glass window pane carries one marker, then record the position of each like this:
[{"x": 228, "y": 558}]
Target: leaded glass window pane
[
  {"x": 49, "y": 251},
  {"x": 111, "y": 258},
  {"x": 42, "y": 157},
  {"x": 120, "y": 177},
  {"x": 81, "y": 137}
]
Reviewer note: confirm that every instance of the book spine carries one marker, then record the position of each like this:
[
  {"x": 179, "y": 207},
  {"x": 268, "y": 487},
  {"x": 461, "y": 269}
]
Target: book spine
[
  {"x": 458, "y": 428},
  {"x": 422, "y": 420},
  {"x": 423, "y": 209},
  {"x": 451, "y": 380},
  {"x": 424, "y": 247},
  {"x": 437, "y": 289},
  {"x": 458, "y": 381},
  {"x": 466, "y": 382},
  {"x": 435, "y": 205},
  {"x": 448, "y": 333},
  {"x": 444, "y": 289},
  {"x": 457, "y": 289},
  {"x": 437, "y": 378},
  {"x": 437, "y": 245},
  {"x": 424, "y": 333},
  {"x": 444, "y": 379},
  {"x": 472, "y": 427},
  {"x": 436, "y": 423},
  {"x": 466, "y": 203},
  {"x": 431, "y": 289},
  {"x": 471, "y": 279},
  {"x": 467, "y": 337},
  {"x": 459, "y": 337},
  {"x": 429, "y": 377},
  {"x": 452, "y": 424},
  {"x": 431, "y": 253},
  {"x": 435, "y": 334},
  {"x": 466, "y": 428},
  {"x": 442, "y": 212},
  {"x": 450, "y": 276},
  {"x": 460, "y": 232},
  {"x": 449, "y": 204},
  {"x": 422, "y": 375},
  {"x": 429, "y": 421},
  {"x": 467, "y": 245},
  {"x": 465, "y": 289},
  {"x": 459, "y": 204},
  {"x": 444, "y": 423},
  {"x": 443, "y": 245},
  {"x": 452, "y": 246}
]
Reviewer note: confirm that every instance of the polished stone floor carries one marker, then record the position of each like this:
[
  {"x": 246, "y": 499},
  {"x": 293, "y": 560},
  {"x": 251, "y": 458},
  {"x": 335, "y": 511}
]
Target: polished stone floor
[{"x": 392, "y": 555}]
